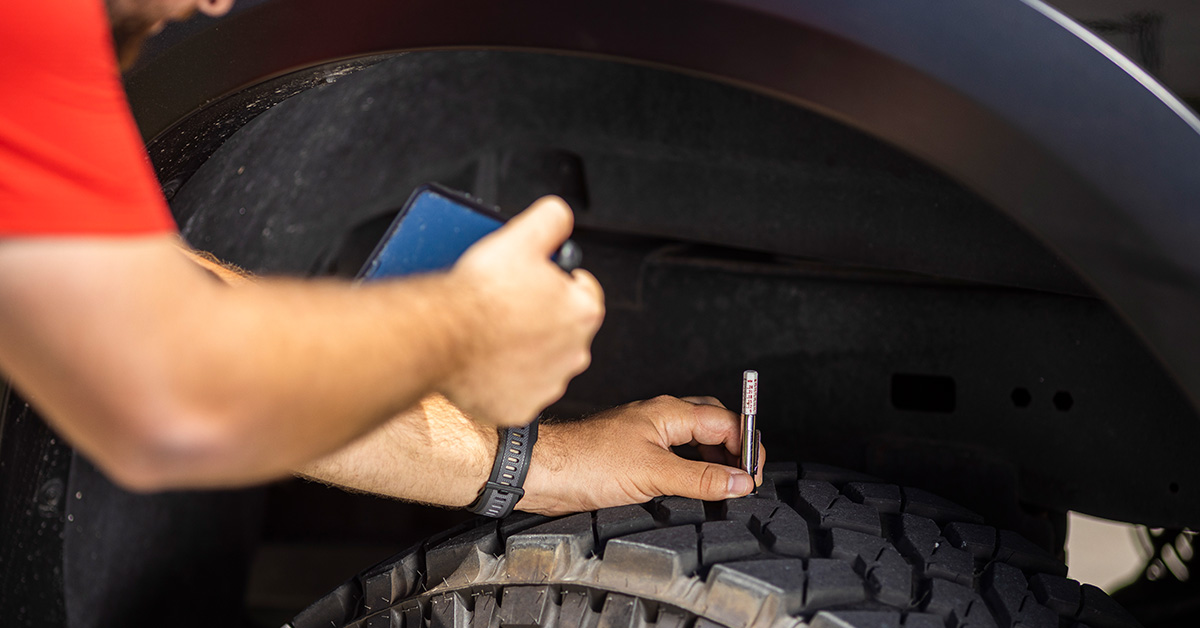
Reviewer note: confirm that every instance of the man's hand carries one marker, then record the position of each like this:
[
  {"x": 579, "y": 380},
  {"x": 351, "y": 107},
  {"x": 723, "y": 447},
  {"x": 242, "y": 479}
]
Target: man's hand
[
  {"x": 536, "y": 322},
  {"x": 623, "y": 456},
  {"x": 434, "y": 454}
]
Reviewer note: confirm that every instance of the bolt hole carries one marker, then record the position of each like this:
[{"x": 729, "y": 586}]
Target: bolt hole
[
  {"x": 1021, "y": 397},
  {"x": 1173, "y": 487},
  {"x": 1063, "y": 401}
]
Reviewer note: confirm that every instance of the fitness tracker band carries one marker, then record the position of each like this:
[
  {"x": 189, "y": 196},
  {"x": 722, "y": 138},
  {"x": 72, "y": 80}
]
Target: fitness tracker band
[{"x": 503, "y": 489}]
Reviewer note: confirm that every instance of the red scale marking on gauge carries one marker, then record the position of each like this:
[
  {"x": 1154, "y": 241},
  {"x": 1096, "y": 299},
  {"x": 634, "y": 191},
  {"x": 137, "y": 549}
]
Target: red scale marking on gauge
[{"x": 750, "y": 392}]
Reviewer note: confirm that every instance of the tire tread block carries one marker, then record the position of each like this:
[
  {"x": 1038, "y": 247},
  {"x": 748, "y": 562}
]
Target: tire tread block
[
  {"x": 447, "y": 557},
  {"x": 832, "y": 583},
  {"x": 1004, "y": 587},
  {"x": 576, "y": 610},
  {"x": 1015, "y": 550},
  {"x": 977, "y": 540},
  {"x": 766, "y": 490},
  {"x": 816, "y": 496},
  {"x": 414, "y": 616},
  {"x": 577, "y": 526},
  {"x": 1098, "y": 610},
  {"x": 923, "y": 620},
  {"x": 678, "y": 511},
  {"x": 753, "y": 512},
  {"x": 485, "y": 615},
  {"x": 527, "y": 606},
  {"x": 884, "y": 498},
  {"x": 660, "y": 554},
  {"x": 338, "y": 605},
  {"x": 856, "y": 619},
  {"x": 960, "y": 606},
  {"x": 448, "y": 611},
  {"x": 377, "y": 587},
  {"x": 781, "y": 472},
  {"x": 835, "y": 475},
  {"x": 667, "y": 618},
  {"x": 875, "y": 619},
  {"x": 829, "y": 509},
  {"x": 889, "y": 578},
  {"x": 1059, "y": 594},
  {"x": 534, "y": 554},
  {"x": 852, "y": 546},
  {"x": 722, "y": 541},
  {"x": 1007, "y": 593},
  {"x": 787, "y": 534},
  {"x": 921, "y": 539},
  {"x": 742, "y": 587},
  {"x": 520, "y": 521},
  {"x": 390, "y": 582},
  {"x": 386, "y": 619},
  {"x": 622, "y": 520},
  {"x": 621, "y": 611},
  {"x": 925, "y": 504},
  {"x": 845, "y": 513}
]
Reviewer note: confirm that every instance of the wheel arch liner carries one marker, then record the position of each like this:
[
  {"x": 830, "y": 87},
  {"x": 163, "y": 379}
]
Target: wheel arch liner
[{"x": 1010, "y": 98}]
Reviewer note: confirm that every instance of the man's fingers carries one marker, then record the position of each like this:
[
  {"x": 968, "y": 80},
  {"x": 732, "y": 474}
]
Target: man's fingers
[
  {"x": 703, "y": 480},
  {"x": 717, "y": 454},
  {"x": 721, "y": 455},
  {"x": 703, "y": 423},
  {"x": 704, "y": 400},
  {"x": 590, "y": 284},
  {"x": 762, "y": 462},
  {"x": 543, "y": 227}
]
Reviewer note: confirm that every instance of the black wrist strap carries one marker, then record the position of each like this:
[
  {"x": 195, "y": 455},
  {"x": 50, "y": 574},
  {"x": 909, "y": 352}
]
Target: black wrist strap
[{"x": 503, "y": 489}]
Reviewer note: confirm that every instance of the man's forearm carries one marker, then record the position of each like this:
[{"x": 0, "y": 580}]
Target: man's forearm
[
  {"x": 431, "y": 453},
  {"x": 169, "y": 379},
  {"x": 215, "y": 385}
]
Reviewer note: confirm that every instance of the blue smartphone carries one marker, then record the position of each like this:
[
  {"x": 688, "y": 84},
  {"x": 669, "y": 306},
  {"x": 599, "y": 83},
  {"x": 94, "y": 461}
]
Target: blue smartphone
[{"x": 434, "y": 228}]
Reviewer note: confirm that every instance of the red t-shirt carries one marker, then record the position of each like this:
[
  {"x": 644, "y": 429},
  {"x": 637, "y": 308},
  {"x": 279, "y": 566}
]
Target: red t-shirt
[{"x": 71, "y": 159}]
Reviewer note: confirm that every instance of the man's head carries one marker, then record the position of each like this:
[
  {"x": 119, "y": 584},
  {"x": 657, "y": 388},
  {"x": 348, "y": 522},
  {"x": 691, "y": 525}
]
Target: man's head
[{"x": 134, "y": 20}]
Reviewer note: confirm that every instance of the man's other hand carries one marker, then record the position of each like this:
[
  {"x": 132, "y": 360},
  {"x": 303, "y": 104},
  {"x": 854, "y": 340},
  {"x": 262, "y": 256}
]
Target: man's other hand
[
  {"x": 534, "y": 323},
  {"x": 623, "y": 456}
]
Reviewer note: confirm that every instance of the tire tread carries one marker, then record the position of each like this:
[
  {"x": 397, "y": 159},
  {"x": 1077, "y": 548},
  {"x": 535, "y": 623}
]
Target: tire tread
[{"x": 817, "y": 544}]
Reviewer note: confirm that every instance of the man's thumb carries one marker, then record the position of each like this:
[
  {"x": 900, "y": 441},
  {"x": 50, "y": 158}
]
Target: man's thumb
[
  {"x": 543, "y": 227},
  {"x": 705, "y": 480}
]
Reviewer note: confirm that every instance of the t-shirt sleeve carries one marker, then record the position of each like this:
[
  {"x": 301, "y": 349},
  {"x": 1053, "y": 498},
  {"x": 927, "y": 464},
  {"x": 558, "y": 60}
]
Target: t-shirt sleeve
[{"x": 71, "y": 159}]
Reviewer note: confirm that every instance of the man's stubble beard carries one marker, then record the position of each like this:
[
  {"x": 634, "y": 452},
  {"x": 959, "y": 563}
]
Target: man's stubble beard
[{"x": 129, "y": 31}]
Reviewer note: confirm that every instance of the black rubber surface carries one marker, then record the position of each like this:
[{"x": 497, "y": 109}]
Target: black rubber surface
[{"x": 819, "y": 545}]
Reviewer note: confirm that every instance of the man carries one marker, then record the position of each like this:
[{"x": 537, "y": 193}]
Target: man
[{"x": 167, "y": 378}]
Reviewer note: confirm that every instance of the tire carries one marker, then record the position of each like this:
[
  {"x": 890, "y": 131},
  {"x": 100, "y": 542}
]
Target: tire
[{"x": 817, "y": 544}]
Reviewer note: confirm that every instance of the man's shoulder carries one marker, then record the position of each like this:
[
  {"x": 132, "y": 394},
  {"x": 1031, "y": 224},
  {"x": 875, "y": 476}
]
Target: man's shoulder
[
  {"x": 71, "y": 159},
  {"x": 58, "y": 35}
]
